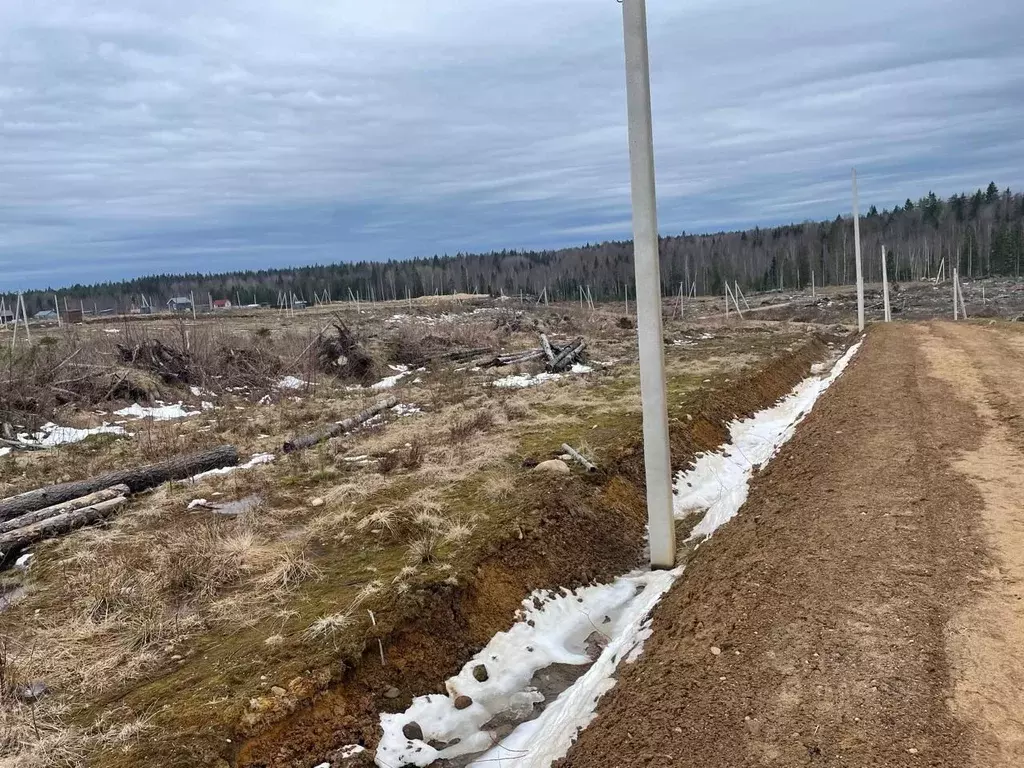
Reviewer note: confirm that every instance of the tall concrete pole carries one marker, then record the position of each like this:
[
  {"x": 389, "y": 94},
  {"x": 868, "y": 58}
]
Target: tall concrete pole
[
  {"x": 856, "y": 246},
  {"x": 657, "y": 462},
  {"x": 885, "y": 288}
]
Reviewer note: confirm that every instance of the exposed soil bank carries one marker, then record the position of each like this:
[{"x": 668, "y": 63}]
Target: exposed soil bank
[
  {"x": 569, "y": 531},
  {"x": 811, "y": 629}
]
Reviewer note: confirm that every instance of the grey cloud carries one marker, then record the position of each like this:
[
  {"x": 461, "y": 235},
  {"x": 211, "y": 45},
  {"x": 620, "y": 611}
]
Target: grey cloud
[{"x": 195, "y": 135}]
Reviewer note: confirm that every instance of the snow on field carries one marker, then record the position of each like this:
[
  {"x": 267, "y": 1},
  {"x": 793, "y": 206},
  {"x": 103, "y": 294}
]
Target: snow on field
[
  {"x": 160, "y": 412},
  {"x": 524, "y": 380},
  {"x": 562, "y": 630},
  {"x": 401, "y": 372},
  {"x": 50, "y": 435},
  {"x": 719, "y": 481},
  {"x": 291, "y": 382},
  {"x": 406, "y": 409},
  {"x": 559, "y": 631},
  {"x": 255, "y": 461},
  {"x": 4, "y": 451}
]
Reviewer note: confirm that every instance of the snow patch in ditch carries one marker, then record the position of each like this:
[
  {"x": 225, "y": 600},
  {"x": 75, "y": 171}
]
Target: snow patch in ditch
[
  {"x": 556, "y": 632},
  {"x": 719, "y": 481},
  {"x": 559, "y": 630}
]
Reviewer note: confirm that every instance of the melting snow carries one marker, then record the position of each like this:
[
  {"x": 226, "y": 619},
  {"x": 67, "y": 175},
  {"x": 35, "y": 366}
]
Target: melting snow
[
  {"x": 256, "y": 460},
  {"x": 160, "y": 412},
  {"x": 561, "y": 627},
  {"x": 718, "y": 482},
  {"x": 404, "y": 409},
  {"x": 290, "y": 382},
  {"x": 558, "y": 635},
  {"x": 4, "y": 451},
  {"x": 390, "y": 381},
  {"x": 51, "y": 435},
  {"x": 521, "y": 381}
]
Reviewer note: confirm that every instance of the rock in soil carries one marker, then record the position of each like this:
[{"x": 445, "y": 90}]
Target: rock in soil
[
  {"x": 392, "y": 693},
  {"x": 553, "y": 466}
]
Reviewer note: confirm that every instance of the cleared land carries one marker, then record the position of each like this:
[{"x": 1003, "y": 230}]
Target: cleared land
[
  {"x": 864, "y": 603},
  {"x": 351, "y": 576}
]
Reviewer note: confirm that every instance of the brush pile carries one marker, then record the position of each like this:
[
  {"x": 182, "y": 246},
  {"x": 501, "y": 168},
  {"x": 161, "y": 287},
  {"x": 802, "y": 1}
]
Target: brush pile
[{"x": 340, "y": 354}]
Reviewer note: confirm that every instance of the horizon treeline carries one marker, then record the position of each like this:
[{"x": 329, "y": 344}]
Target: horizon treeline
[{"x": 981, "y": 233}]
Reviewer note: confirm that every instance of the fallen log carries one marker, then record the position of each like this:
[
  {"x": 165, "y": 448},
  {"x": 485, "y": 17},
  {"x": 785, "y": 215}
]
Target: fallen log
[
  {"x": 339, "y": 428},
  {"x": 17, "y": 445},
  {"x": 137, "y": 479},
  {"x": 566, "y": 357},
  {"x": 546, "y": 346},
  {"x": 587, "y": 465},
  {"x": 15, "y": 541},
  {"x": 68, "y": 506}
]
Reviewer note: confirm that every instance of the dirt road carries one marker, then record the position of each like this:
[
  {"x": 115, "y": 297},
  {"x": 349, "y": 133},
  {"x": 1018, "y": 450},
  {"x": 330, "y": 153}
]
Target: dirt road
[{"x": 865, "y": 607}]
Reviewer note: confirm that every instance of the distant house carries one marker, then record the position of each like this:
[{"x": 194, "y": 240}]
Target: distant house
[
  {"x": 6, "y": 316},
  {"x": 180, "y": 304},
  {"x": 299, "y": 304},
  {"x": 46, "y": 314},
  {"x": 221, "y": 304},
  {"x": 74, "y": 315}
]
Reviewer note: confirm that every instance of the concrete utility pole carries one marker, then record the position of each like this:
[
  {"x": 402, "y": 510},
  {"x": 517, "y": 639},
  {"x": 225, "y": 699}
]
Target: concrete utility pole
[
  {"x": 856, "y": 246},
  {"x": 657, "y": 462},
  {"x": 885, "y": 288}
]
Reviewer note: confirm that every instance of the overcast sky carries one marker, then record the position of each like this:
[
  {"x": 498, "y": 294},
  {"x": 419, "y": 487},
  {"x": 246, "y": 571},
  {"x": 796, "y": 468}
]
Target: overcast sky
[{"x": 142, "y": 136}]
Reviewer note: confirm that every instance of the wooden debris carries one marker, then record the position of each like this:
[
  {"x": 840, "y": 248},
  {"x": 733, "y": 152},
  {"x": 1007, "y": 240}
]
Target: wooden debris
[
  {"x": 17, "y": 540},
  {"x": 567, "y": 356},
  {"x": 137, "y": 479},
  {"x": 578, "y": 457},
  {"x": 546, "y": 346},
  {"x": 59, "y": 509},
  {"x": 339, "y": 428}
]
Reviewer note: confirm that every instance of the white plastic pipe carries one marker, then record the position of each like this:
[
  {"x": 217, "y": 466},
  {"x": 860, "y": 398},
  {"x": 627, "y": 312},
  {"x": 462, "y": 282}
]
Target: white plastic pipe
[
  {"x": 856, "y": 246},
  {"x": 657, "y": 462}
]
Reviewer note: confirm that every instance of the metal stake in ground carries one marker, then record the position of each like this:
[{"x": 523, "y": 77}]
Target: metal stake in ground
[
  {"x": 856, "y": 246},
  {"x": 657, "y": 463}
]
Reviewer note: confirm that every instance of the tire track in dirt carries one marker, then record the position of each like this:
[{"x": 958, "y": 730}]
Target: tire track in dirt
[
  {"x": 828, "y": 597},
  {"x": 986, "y": 638}
]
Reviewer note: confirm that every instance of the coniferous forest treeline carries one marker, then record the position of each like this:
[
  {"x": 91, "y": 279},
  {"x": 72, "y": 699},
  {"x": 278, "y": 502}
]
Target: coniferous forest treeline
[{"x": 982, "y": 232}]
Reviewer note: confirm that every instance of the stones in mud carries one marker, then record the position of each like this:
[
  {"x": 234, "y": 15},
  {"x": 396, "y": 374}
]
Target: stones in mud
[
  {"x": 412, "y": 731},
  {"x": 595, "y": 644},
  {"x": 552, "y": 467},
  {"x": 463, "y": 702},
  {"x": 392, "y": 693},
  {"x": 716, "y": 651},
  {"x": 278, "y": 691},
  {"x": 480, "y": 673}
]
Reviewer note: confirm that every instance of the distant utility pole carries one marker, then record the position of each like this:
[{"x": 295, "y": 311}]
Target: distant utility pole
[
  {"x": 657, "y": 461},
  {"x": 885, "y": 289},
  {"x": 856, "y": 246}
]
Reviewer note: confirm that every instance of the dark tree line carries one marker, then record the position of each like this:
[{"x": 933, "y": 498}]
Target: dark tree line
[{"x": 982, "y": 232}]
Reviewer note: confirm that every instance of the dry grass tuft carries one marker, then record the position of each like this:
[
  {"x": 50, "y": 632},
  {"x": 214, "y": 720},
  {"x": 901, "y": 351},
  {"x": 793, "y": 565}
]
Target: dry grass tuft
[
  {"x": 425, "y": 550},
  {"x": 462, "y": 429},
  {"x": 292, "y": 568}
]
